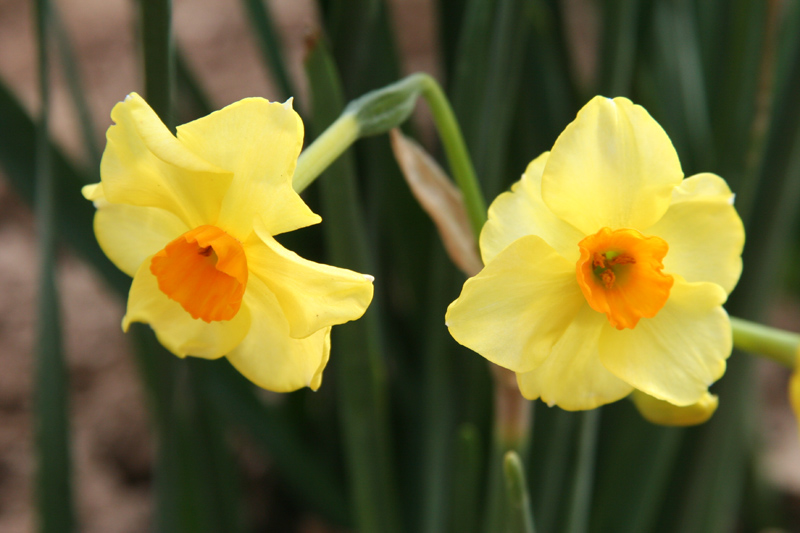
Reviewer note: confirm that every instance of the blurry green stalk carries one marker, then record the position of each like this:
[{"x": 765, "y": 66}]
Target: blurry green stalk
[{"x": 776, "y": 344}]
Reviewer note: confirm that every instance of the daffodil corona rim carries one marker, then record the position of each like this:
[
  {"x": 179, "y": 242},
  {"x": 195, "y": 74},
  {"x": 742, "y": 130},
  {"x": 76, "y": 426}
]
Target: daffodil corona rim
[
  {"x": 192, "y": 218},
  {"x": 605, "y": 270}
]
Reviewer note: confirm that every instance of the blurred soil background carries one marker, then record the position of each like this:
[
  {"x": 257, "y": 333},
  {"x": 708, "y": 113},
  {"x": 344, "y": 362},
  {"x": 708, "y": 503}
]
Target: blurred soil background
[{"x": 112, "y": 448}]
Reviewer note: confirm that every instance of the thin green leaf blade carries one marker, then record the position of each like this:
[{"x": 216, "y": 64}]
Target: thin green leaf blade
[
  {"x": 520, "y": 515},
  {"x": 54, "y": 500},
  {"x": 361, "y": 374},
  {"x": 269, "y": 44}
]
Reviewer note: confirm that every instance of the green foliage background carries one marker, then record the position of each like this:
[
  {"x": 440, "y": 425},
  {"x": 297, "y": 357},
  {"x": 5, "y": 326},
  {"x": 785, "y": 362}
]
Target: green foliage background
[{"x": 398, "y": 438}]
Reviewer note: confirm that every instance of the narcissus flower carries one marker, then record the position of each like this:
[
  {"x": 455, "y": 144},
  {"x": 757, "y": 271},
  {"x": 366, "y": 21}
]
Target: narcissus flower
[
  {"x": 192, "y": 219},
  {"x": 605, "y": 271}
]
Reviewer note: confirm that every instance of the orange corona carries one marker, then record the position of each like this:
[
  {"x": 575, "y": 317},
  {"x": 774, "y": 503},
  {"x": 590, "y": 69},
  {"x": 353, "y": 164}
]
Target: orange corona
[
  {"x": 204, "y": 270},
  {"x": 619, "y": 273}
]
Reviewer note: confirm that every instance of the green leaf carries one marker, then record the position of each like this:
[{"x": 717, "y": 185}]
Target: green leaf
[
  {"x": 74, "y": 214},
  {"x": 300, "y": 464},
  {"x": 54, "y": 501},
  {"x": 551, "y": 459},
  {"x": 466, "y": 486},
  {"x": 580, "y": 504},
  {"x": 269, "y": 44},
  {"x": 76, "y": 92},
  {"x": 636, "y": 462},
  {"x": 361, "y": 373},
  {"x": 618, "y": 50},
  {"x": 497, "y": 110},
  {"x": 158, "y": 50},
  {"x": 520, "y": 516}
]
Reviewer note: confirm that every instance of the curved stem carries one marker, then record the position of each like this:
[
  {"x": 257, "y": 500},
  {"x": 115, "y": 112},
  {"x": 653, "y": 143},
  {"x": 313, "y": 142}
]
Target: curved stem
[
  {"x": 386, "y": 108},
  {"x": 456, "y": 150},
  {"x": 777, "y": 344}
]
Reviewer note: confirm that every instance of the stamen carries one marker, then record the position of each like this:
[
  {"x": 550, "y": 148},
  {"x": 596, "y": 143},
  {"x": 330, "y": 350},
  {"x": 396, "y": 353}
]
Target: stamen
[
  {"x": 608, "y": 278},
  {"x": 619, "y": 273}
]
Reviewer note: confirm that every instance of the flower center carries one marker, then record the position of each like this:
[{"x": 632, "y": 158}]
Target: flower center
[
  {"x": 619, "y": 272},
  {"x": 204, "y": 270}
]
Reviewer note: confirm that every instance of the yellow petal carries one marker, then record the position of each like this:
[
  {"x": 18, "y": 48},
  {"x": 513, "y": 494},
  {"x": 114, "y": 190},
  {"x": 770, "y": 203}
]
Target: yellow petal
[
  {"x": 144, "y": 165},
  {"x": 268, "y": 356},
  {"x": 677, "y": 354},
  {"x": 175, "y": 328},
  {"x": 259, "y": 142},
  {"x": 522, "y": 212},
  {"x": 572, "y": 377},
  {"x": 794, "y": 391},
  {"x": 130, "y": 234},
  {"x": 704, "y": 232},
  {"x": 667, "y": 414},
  {"x": 613, "y": 166},
  {"x": 312, "y": 295},
  {"x": 93, "y": 192},
  {"x": 516, "y": 309}
]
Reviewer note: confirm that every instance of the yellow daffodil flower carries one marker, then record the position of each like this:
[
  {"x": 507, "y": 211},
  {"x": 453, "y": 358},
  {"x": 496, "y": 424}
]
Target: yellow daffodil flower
[
  {"x": 192, "y": 219},
  {"x": 605, "y": 271}
]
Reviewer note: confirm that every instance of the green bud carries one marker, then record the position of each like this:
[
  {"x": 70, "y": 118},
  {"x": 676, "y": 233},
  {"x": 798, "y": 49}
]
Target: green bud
[{"x": 386, "y": 108}]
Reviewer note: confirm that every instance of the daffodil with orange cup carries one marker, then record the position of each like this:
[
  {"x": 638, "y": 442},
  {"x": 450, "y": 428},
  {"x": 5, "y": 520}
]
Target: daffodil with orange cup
[
  {"x": 605, "y": 270},
  {"x": 192, "y": 218}
]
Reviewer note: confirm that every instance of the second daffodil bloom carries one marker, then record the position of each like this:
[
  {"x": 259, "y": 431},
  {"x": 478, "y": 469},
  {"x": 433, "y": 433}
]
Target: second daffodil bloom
[
  {"x": 192, "y": 219},
  {"x": 605, "y": 271}
]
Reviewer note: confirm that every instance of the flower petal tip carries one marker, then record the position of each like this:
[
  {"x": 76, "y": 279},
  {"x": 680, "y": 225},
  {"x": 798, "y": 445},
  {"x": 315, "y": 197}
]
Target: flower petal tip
[
  {"x": 289, "y": 104},
  {"x": 369, "y": 278}
]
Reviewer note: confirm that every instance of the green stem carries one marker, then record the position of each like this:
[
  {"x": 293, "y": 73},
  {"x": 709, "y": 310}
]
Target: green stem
[
  {"x": 456, "y": 150},
  {"x": 383, "y": 109},
  {"x": 326, "y": 149},
  {"x": 779, "y": 345}
]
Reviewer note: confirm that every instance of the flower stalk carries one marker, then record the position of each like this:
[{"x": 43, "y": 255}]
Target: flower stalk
[
  {"x": 383, "y": 109},
  {"x": 776, "y": 344}
]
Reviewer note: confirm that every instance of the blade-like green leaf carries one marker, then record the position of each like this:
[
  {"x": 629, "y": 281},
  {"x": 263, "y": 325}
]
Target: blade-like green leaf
[
  {"x": 507, "y": 51},
  {"x": 580, "y": 505},
  {"x": 74, "y": 213},
  {"x": 54, "y": 506},
  {"x": 296, "y": 461},
  {"x": 618, "y": 52},
  {"x": 269, "y": 43},
  {"x": 551, "y": 459},
  {"x": 520, "y": 516},
  {"x": 76, "y": 91},
  {"x": 468, "y": 472},
  {"x": 361, "y": 373},
  {"x": 636, "y": 461},
  {"x": 439, "y": 413},
  {"x": 158, "y": 55}
]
